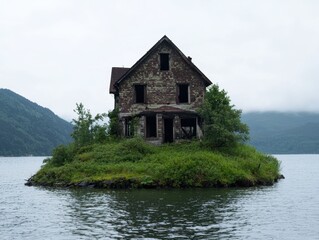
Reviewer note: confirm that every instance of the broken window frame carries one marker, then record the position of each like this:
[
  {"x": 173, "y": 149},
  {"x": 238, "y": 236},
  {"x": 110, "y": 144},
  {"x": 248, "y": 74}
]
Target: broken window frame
[
  {"x": 128, "y": 127},
  {"x": 188, "y": 127}
]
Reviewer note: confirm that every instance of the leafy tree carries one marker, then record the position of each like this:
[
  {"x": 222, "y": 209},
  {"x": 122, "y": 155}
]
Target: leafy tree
[
  {"x": 87, "y": 129},
  {"x": 222, "y": 123},
  {"x": 114, "y": 128}
]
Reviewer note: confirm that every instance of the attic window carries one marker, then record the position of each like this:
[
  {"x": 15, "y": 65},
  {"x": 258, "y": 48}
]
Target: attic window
[
  {"x": 140, "y": 93},
  {"x": 183, "y": 93},
  {"x": 164, "y": 61}
]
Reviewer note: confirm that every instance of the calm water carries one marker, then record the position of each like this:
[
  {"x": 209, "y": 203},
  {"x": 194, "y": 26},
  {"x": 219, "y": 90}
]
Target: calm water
[{"x": 287, "y": 210}]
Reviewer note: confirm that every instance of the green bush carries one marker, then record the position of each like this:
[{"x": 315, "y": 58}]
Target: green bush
[
  {"x": 62, "y": 155},
  {"x": 126, "y": 150},
  {"x": 133, "y": 149}
]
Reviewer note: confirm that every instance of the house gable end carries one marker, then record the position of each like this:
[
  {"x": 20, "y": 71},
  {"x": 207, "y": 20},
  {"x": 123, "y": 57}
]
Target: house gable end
[{"x": 170, "y": 44}]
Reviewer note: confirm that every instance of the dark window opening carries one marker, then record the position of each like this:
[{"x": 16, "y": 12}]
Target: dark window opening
[
  {"x": 139, "y": 93},
  {"x": 151, "y": 127},
  {"x": 188, "y": 126},
  {"x": 164, "y": 61},
  {"x": 168, "y": 130},
  {"x": 183, "y": 93}
]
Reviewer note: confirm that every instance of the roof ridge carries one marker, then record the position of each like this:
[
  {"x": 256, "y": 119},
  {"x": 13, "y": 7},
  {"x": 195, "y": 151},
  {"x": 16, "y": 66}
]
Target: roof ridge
[{"x": 186, "y": 59}]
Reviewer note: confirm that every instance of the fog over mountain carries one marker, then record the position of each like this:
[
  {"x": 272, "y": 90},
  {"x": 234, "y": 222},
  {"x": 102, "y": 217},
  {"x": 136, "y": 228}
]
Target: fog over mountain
[{"x": 283, "y": 132}]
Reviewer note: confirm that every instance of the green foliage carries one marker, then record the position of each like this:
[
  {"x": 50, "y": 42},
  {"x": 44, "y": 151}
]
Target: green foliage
[
  {"x": 176, "y": 165},
  {"x": 29, "y": 129},
  {"x": 62, "y": 155},
  {"x": 133, "y": 150},
  {"x": 87, "y": 129},
  {"x": 133, "y": 126},
  {"x": 126, "y": 150},
  {"x": 114, "y": 128},
  {"x": 222, "y": 123}
]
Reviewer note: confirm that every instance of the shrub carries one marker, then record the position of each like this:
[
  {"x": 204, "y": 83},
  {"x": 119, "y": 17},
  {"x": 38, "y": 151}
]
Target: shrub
[
  {"x": 61, "y": 155},
  {"x": 114, "y": 129},
  {"x": 222, "y": 123},
  {"x": 87, "y": 129},
  {"x": 133, "y": 149}
]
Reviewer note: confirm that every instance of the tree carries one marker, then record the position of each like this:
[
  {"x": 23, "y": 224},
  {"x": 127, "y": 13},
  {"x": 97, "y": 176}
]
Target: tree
[
  {"x": 87, "y": 129},
  {"x": 222, "y": 123},
  {"x": 114, "y": 128}
]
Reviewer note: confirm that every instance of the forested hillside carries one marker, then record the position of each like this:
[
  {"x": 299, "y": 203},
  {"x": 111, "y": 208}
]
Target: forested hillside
[
  {"x": 283, "y": 132},
  {"x": 27, "y": 128}
]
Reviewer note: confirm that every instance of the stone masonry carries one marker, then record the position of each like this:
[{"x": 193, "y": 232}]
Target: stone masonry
[{"x": 161, "y": 94}]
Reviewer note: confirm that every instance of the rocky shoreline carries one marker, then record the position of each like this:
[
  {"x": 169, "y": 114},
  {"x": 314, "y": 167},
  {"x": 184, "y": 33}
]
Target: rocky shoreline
[{"x": 123, "y": 183}]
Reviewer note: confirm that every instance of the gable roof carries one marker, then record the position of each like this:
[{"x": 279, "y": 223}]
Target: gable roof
[
  {"x": 163, "y": 39},
  {"x": 116, "y": 74}
]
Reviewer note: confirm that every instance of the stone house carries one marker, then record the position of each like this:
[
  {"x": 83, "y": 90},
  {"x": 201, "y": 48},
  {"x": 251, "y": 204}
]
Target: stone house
[{"x": 159, "y": 95}]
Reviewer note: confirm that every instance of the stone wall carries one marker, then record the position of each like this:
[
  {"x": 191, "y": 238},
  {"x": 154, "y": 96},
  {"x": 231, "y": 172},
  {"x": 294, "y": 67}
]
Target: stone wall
[{"x": 161, "y": 86}]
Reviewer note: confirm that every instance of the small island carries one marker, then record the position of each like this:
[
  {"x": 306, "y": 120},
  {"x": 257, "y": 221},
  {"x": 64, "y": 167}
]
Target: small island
[
  {"x": 133, "y": 163},
  {"x": 99, "y": 157},
  {"x": 170, "y": 127}
]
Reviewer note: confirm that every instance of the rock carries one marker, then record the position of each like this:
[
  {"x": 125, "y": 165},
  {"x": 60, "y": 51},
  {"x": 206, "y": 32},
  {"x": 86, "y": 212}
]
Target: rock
[
  {"x": 29, "y": 182},
  {"x": 83, "y": 184}
]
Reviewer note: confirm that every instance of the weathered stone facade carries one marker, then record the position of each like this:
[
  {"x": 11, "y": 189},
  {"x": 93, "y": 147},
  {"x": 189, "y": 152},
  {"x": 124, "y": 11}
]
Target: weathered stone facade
[{"x": 164, "y": 101}]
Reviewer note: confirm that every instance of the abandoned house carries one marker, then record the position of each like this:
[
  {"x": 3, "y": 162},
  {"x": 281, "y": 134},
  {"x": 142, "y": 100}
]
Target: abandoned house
[{"x": 159, "y": 95}]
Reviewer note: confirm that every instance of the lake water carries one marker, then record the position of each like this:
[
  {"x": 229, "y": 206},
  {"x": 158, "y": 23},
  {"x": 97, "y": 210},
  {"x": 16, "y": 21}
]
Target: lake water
[{"x": 287, "y": 210}]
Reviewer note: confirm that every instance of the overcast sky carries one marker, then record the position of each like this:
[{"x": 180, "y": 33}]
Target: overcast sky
[{"x": 57, "y": 53}]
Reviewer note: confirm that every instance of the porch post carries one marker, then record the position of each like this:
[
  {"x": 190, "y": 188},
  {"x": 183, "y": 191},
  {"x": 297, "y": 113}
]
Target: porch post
[
  {"x": 159, "y": 120},
  {"x": 177, "y": 128}
]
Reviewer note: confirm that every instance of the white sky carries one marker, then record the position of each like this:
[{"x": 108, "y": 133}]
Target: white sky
[{"x": 57, "y": 53}]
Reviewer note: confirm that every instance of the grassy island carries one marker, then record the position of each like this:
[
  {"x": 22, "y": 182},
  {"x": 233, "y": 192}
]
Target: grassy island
[
  {"x": 101, "y": 157},
  {"x": 133, "y": 163}
]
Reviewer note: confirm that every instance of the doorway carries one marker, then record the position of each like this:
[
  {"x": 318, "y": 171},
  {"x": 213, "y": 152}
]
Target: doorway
[
  {"x": 168, "y": 130},
  {"x": 151, "y": 127}
]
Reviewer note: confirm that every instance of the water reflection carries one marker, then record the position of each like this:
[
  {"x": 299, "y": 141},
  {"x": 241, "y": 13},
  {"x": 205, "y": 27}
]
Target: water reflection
[
  {"x": 287, "y": 210},
  {"x": 154, "y": 214}
]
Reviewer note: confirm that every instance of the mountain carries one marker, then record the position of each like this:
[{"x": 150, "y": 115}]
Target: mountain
[
  {"x": 284, "y": 132},
  {"x": 29, "y": 129}
]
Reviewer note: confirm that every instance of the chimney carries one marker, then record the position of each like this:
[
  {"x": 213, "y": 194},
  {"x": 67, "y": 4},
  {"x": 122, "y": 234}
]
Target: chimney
[{"x": 189, "y": 58}]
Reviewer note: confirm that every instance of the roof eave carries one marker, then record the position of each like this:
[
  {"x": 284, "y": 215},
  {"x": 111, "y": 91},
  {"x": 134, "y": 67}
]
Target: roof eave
[{"x": 164, "y": 38}]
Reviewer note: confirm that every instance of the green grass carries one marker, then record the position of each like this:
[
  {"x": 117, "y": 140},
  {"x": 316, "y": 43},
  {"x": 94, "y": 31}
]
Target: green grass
[{"x": 135, "y": 163}]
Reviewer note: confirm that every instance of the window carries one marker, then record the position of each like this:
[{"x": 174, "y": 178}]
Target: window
[
  {"x": 151, "y": 127},
  {"x": 188, "y": 126},
  {"x": 140, "y": 94},
  {"x": 183, "y": 93},
  {"x": 129, "y": 128},
  {"x": 164, "y": 61}
]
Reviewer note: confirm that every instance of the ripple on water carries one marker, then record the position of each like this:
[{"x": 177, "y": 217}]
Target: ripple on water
[{"x": 287, "y": 210}]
